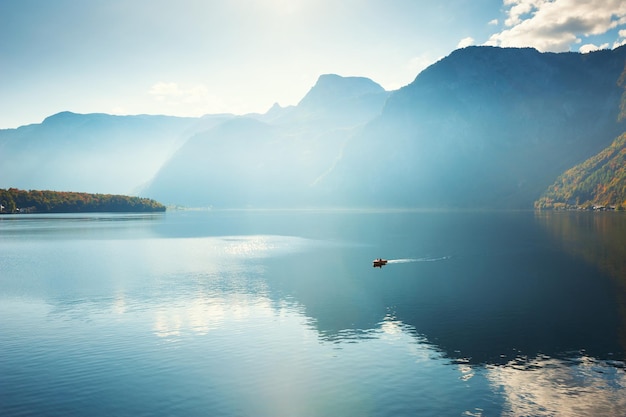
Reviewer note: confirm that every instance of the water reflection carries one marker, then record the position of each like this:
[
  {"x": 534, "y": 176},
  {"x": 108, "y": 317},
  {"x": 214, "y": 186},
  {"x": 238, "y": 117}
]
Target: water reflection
[
  {"x": 600, "y": 240},
  {"x": 78, "y": 225},
  {"x": 597, "y": 237},
  {"x": 201, "y": 315},
  {"x": 497, "y": 320},
  {"x": 487, "y": 308},
  {"x": 545, "y": 386},
  {"x": 295, "y": 364}
]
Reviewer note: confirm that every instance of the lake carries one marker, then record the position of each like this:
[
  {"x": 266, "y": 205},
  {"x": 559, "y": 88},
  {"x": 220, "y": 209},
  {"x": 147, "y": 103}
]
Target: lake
[{"x": 280, "y": 313}]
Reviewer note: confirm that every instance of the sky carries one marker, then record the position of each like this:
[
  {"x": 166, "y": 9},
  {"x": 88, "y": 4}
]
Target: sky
[{"x": 196, "y": 57}]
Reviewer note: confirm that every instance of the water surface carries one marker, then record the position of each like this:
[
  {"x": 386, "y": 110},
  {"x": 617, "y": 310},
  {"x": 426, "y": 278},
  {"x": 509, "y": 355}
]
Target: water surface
[{"x": 280, "y": 313}]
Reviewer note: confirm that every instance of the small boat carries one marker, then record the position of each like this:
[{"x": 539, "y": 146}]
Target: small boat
[{"x": 378, "y": 263}]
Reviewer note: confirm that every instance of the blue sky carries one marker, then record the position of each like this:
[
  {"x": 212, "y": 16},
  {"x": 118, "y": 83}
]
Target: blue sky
[{"x": 194, "y": 57}]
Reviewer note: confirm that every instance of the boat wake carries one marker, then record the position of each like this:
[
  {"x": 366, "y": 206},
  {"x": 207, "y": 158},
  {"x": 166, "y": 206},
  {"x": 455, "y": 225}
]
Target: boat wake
[{"x": 427, "y": 259}]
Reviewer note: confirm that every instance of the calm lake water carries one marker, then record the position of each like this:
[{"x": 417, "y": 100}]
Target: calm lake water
[{"x": 280, "y": 313}]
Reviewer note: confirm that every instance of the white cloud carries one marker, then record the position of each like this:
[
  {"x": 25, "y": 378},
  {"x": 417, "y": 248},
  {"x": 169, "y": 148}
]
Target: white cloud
[
  {"x": 555, "y": 25},
  {"x": 519, "y": 9},
  {"x": 163, "y": 90},
  {"x": 494, "y": 22},
  {"x": 590, "y": 47},
  {"x": 621, "y": 40},
  {"x": 416, "y": 65},
  {"x": 193, "y": 99},
  {"x": 120, "y": 110},
  {"x": 465, "y": 42}
]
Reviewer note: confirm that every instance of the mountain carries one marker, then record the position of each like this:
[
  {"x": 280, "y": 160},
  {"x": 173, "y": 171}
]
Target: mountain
[
  {"x": 342, "y": 101},
  {"x": 229, "y": 165},
  {"x": 273, "y": 159},
  {"x": 483, "y": 127},
  {"x": 333, "y": 101},
  {"x": 92, "y": 152},
  {"x": 598, "y": 181}
]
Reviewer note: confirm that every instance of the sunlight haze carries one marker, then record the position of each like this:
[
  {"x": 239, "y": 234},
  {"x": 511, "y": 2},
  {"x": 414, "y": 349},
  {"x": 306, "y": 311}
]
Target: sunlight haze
[{"x": 191, "y": 57}]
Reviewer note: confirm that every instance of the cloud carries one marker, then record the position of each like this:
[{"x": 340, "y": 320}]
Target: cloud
[
  {"x": 555, "y": 25},
  {"x": 494, "y": 22},
  {"x": 193, "y": 99},
  {"x": 465, "y": 42},
  {"x": 162, "y": 90},
  {"x": 119, "y": 110},
  {"x": 172, "y": 91},
  {"x": 621, "y": 40},
  {"x": 590, "y": 47},
  {"x": 419, "y": 63},
  {"x": 518, "y": 10}
]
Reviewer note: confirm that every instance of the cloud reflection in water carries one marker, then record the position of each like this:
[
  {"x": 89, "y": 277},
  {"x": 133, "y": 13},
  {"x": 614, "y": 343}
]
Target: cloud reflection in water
[{"x": 546, "y": 386}]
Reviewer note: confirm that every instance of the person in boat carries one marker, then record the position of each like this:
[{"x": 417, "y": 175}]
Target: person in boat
[{"x": 378, "y": 263}]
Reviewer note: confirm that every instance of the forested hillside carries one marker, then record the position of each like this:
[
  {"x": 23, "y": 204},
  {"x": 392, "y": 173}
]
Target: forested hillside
[
  {"x": 20, "y": 201},
  {"x": 599, "y": 181}
]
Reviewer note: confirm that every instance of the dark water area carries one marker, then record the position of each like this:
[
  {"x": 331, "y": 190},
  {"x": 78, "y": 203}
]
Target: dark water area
[{"x": 271, "y": 313}]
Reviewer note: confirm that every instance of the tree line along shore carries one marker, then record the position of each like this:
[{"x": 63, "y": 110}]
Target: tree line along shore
[{"x": 13, "y": 200}]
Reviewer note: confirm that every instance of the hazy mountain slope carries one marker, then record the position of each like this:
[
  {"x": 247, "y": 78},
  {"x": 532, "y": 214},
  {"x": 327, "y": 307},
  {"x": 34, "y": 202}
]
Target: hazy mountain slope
[
  {"x": 229, "y": 165},
  {"x": 91, "y": 152},
  {"x": 483, "y": 127},
  {"x": 270, "y": 160},
  {"x": 343, "y": 101}
]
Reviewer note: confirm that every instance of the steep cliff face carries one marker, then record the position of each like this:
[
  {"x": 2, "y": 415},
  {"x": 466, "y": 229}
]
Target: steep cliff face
[{"x": 484, "y": 127}]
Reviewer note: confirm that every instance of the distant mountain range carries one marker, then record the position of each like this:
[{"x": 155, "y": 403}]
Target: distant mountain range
[
  {"x": 483, "y": 127},
  {"x": 96, "y": 153}
]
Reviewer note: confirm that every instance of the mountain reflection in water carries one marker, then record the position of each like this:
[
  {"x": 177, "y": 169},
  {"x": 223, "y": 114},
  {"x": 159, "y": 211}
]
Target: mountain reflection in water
[
  {"x": 501, "y": 288},
  {"x": 600, "y": 240}
]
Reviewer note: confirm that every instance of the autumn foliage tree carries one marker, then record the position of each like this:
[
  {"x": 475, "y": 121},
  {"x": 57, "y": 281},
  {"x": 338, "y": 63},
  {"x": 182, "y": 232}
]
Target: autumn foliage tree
[
  {"x": 600, "y": 180},
  {"x": 13, "y": 200}
]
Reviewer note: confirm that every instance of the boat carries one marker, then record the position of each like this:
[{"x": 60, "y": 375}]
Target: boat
[{"x": 378, "y": 263}]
